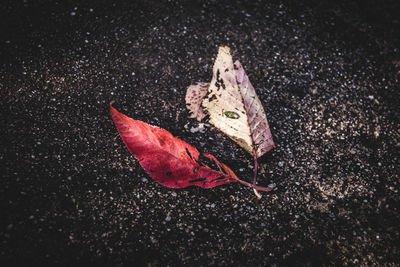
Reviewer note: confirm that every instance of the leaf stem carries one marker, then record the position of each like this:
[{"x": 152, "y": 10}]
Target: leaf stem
[
  {"x": 255, "y": 174},
  {"x": 232, "y": 175},
  {"x": 255, "y": 167},
  {"x": 260, "y": 188}
]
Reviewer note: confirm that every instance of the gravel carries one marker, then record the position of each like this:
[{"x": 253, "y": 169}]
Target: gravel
[{"x": 326, "y": 72}]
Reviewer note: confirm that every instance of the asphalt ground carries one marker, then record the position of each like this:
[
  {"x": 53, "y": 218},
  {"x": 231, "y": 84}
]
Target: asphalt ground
[{"x": 327, "y": 74}]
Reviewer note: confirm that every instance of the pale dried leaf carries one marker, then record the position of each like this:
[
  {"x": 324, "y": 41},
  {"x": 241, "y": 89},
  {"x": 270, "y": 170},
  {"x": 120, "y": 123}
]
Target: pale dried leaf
[
  {"x": 258, "y": 123},
  {"x": 194, "y": 96},
  {"x": 234, "y": 107}
]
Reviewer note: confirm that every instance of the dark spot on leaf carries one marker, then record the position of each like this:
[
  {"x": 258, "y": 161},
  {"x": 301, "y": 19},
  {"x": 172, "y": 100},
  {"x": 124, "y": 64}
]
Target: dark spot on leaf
[
  {"x": 226, "y": 70},
  {"x": 259, "y": 143},
  {"x": 212, "y": 98},
  {"x": 161, "y": 141},
  {"x": 231, "y": 115},
  {"x": 217, "y": 179},
  {"x": 187, "y": 151},
  {"x": 219, "y": 82},
  {"x": 169, "y": 173},
  {"x": 235, "y": 67},
  {"x": 195, "y": 170},
  {"x": 197, "y": 180}
]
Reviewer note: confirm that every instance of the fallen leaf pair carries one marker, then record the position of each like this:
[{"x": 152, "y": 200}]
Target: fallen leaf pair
[{"x": 233, "y": 107}]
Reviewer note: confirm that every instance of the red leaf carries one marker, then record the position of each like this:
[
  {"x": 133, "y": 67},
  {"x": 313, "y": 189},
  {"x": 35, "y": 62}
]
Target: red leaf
[{"x": 167, "y": 159}]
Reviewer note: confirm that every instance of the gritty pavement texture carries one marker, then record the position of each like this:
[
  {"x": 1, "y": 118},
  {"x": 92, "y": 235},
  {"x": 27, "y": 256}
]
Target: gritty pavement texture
[{"x": 327, "y": 74}]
